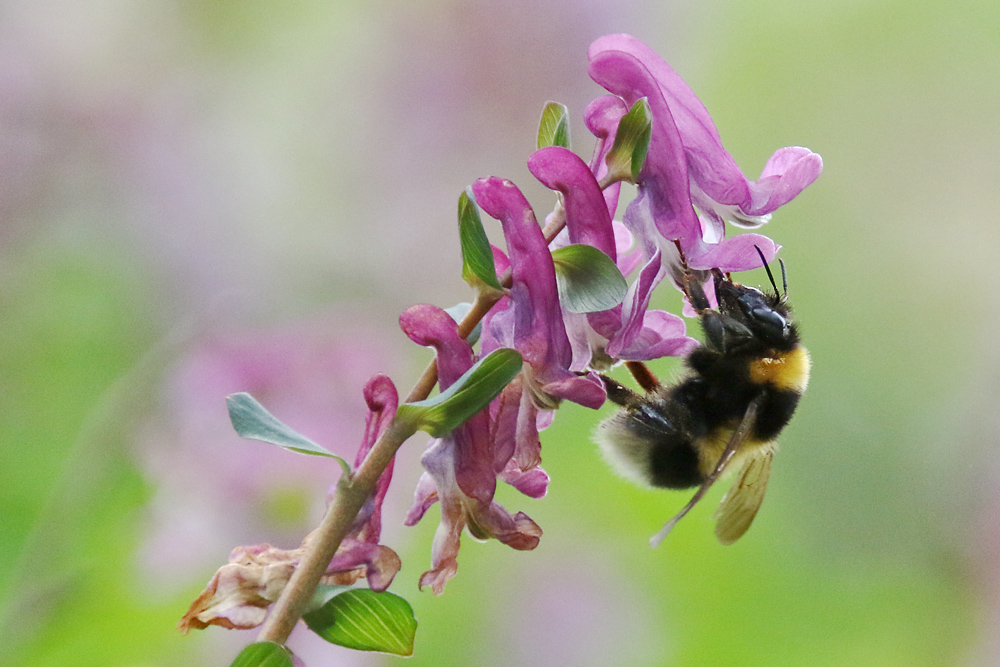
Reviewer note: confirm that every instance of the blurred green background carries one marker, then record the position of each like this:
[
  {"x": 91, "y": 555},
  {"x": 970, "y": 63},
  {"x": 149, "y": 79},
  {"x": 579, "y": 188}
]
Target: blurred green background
[{"x": 200, "y": 198}]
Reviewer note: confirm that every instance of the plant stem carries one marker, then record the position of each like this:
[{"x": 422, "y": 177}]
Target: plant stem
[{"x": 347, "y": 502}]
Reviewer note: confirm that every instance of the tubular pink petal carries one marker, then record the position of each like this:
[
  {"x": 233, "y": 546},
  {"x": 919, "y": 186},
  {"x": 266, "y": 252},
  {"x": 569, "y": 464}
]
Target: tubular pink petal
[
  {"x": 587, "y": 219},
  {"x": 432, "y": 327},
  {"x": 622, "y": 64}
]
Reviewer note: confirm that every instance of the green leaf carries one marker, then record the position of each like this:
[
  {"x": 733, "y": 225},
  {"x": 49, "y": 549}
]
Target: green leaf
[
  {"x": 553, "y": 128},
  {"x": 627, "y": 155},
  {"x": 322, "y": 595},
  {"x": 588, "y": 280},
  {"x": 366, "y": 621},
  {"x": 478, "y": 268},
  {"x": 263, "y": 654},
  {"x": 252, "y": 421},
  {"x": 469, "y": 394}
]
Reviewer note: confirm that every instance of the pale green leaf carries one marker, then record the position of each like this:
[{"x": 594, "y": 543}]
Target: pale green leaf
[
  {"x": 588, "y": 280},
  {"x": 553, "y": 128},
  {"x": 252, "y": 421}
]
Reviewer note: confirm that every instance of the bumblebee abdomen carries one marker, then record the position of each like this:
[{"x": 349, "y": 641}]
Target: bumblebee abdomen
[
  {"x": 775, "y": 413},
  {"x": 783, "y": 378},
  {"x": 674, "y": 437},
  {"x": 675, "y": 464},
  {"x": 653, "y": 443}
]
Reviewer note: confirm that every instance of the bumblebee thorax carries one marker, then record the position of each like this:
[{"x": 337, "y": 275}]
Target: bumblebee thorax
[{"x": 782, "y": 370}]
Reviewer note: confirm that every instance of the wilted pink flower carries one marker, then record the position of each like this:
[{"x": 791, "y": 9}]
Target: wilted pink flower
[
  {"x": 462, "y": 467},
  {"x": 687, "y": 166},
  {"x": 360, "y": 551},
  {"x": 240, "y": 592}
]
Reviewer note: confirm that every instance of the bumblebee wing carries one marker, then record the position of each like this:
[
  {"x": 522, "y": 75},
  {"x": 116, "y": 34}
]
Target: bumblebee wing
[
  {"x": 740, "y": 504},
  {"x": 733, "y": 446}
]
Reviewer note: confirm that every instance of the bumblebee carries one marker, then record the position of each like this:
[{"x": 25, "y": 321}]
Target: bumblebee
[{"x": 742, "y": 388}]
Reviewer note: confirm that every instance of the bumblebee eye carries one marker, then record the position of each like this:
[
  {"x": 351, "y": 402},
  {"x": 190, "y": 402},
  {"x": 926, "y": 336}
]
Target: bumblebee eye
[{"x": 770, "y": 319}]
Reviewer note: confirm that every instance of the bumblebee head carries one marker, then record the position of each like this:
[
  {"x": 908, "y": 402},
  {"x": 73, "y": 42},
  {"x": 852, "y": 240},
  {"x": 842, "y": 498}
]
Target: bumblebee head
[{"x": 748, "y": 318}]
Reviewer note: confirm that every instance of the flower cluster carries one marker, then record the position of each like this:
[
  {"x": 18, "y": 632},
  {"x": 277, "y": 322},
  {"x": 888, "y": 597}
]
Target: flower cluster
[
  {"x": 564, "y": 334},
  {"x": 688, "y": 187}
]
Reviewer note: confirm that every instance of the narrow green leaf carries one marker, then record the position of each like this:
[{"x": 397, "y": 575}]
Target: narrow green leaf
[
  {"x": 252, "y": 421},
  {"x": 553, "y": 128},
  {"x": 588, "y": 280},
  {"x": 364, "y": 620},
  {"x": 478, "y": 268},
  {"x": 627, "y": 155},
  {"x": 472, "y": 392},
  {"x": 263, "y": 654}
]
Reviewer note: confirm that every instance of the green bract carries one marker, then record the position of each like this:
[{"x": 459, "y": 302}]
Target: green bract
[
  {"x": 627, "y": 155},
  {"x": 478, "y": 268},
  {"x": 553, "y": 128},
  {"x": 468, "y": 395},
  {"x": 588, "y": 279},
  {"x": 364, "y": 620}
]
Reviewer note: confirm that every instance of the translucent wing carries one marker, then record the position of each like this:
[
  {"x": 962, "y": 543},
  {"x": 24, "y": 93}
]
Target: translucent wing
[
  {"x": 733, "y": 446},
  {"x": 740, "y": 504}
]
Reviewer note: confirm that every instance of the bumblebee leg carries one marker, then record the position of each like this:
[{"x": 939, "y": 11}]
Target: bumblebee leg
[
  {"x": 619, "y": 393},
  {"x": 643, "y": 376}
]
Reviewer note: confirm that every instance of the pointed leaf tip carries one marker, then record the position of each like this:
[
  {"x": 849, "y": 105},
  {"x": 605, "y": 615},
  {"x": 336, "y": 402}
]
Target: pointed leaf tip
[
  {"x": 628, "y": 154},
  {"x": 252, "y": 421}
]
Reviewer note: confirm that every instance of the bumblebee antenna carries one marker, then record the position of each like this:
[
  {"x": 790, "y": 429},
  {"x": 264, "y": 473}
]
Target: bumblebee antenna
[
  {"x": 784, "y": 278},
  {"x": 770, "y": 276}
]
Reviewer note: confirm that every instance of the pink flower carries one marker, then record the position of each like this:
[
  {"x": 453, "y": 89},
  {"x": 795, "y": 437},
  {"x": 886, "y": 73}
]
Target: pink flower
[
  {"x": 688, "y": 167},
  {"x": 628, "y": 331},
  {"x": 462, "y": 468},
  {"x": 530, "y": 320}
]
